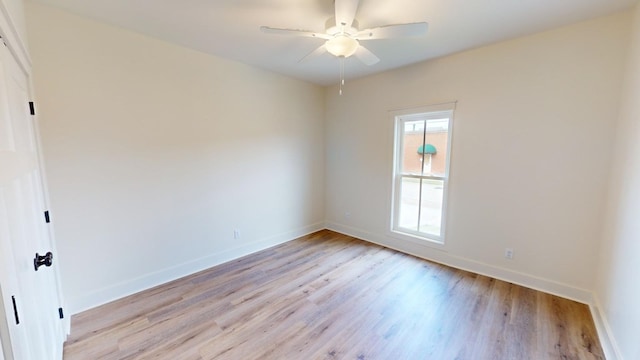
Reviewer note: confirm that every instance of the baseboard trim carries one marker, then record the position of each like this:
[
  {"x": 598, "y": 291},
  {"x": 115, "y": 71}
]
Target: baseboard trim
[
  {"x": 608, "y": 342},
  {"x": 147, "y": 281},
  {"x": 443, "y": 257}
]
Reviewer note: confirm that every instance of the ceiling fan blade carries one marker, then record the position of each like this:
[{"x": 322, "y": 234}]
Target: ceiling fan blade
[
  {"x": 294, "y": 32},
  {"x": 315, "y": 53},
  {"x": 393, "y": 31},
  {"x": 367, "y": 57},
  {"x": 345, "y": 12}
]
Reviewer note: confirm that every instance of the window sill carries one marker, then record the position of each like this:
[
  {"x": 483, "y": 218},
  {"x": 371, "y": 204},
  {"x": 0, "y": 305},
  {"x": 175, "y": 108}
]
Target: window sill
[{"x": 423, "y": 241}]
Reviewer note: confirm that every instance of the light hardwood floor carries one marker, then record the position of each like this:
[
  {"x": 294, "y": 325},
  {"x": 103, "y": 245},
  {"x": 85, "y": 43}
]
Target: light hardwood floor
[{"x": 330, "y": 296}]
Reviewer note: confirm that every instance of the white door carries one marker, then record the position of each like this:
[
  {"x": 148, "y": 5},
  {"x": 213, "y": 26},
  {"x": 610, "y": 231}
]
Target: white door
[{"x": 30, "y": 297}]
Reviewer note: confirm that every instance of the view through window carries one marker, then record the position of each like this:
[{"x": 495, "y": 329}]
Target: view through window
[{"x": 421, "y": 172}]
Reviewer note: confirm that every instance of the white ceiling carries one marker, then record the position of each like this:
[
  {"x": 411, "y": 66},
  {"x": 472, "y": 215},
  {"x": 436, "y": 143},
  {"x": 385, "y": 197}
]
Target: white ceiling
[{"x": 231, "y": 28}]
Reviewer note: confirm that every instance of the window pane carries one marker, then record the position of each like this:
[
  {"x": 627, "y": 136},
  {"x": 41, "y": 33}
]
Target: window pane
[
  {"x": 425, "y": 147},
  {"x": 420, "y": 207},
  {"x": 431, "y": 206},
  {"x": 435, "y": 148},
  {"x": 413, "y": 138},
  {"x": 409, "y": 200}
]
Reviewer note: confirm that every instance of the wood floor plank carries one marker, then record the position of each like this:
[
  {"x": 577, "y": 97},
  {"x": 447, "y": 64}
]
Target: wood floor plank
[{"x": 330, "y": 296}]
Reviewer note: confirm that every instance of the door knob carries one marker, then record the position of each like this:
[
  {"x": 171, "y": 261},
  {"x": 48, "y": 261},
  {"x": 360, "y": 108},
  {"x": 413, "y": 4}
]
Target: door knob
[{"x": 45, "y": 260}]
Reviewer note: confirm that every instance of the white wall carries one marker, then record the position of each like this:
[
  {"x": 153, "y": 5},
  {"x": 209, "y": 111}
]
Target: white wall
[
  {"x": 531, "y": 146},
  {"x": 156, "y": 153},
  {"x": 618, "y": 287}
]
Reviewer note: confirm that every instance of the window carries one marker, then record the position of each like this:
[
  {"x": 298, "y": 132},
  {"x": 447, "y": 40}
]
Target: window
[{"x": 421, "y": 171}]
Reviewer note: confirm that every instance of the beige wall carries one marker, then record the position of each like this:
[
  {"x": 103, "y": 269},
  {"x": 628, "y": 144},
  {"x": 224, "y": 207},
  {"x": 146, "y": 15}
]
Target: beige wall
[
  {"x": 156, "y": 153},
  {"x": 618, "y": 287},
  {"x": 533, "y": 128}
]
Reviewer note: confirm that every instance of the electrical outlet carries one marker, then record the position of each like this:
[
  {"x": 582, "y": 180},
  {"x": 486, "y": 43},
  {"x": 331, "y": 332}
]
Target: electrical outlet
[
  {"x": 236, "y": 234},
  {"x": 508, "y": 253}
]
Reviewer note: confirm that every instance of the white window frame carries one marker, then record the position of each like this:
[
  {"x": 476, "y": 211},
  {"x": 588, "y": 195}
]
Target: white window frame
[{"x": 398, "y": 118}]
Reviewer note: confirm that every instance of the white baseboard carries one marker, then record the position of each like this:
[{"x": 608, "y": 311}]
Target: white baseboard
[
  {"x": 608, "y": 342},
  {"x": 147, "y": 281},
  {"x": 442, "y": 257}
]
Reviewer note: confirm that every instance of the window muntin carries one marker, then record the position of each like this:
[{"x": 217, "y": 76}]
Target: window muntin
[{"x": 421, "y": 169}]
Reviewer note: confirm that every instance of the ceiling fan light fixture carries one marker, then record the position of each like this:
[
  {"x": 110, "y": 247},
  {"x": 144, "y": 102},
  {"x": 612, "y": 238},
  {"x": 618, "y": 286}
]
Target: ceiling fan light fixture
[{"x": 342, "y": 46}]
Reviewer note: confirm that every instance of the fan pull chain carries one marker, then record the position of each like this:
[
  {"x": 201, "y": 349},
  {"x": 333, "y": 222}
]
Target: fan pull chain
[{"x": 341, "y": 73}]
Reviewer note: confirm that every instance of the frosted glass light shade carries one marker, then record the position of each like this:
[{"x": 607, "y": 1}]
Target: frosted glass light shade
[{"x": 341, "y": 45}]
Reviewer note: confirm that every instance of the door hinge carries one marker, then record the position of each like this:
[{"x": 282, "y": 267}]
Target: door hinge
[
  {"x": 46, "y": 217},
  {"x": 60, "y": 313},
  {"x": 32, "y": 108},
  {"x": 15, "y": 310}
]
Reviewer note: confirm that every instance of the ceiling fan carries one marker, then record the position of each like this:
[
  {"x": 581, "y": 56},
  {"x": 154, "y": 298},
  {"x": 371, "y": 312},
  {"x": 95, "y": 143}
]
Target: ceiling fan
[{"x": 342, "y": 35}]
